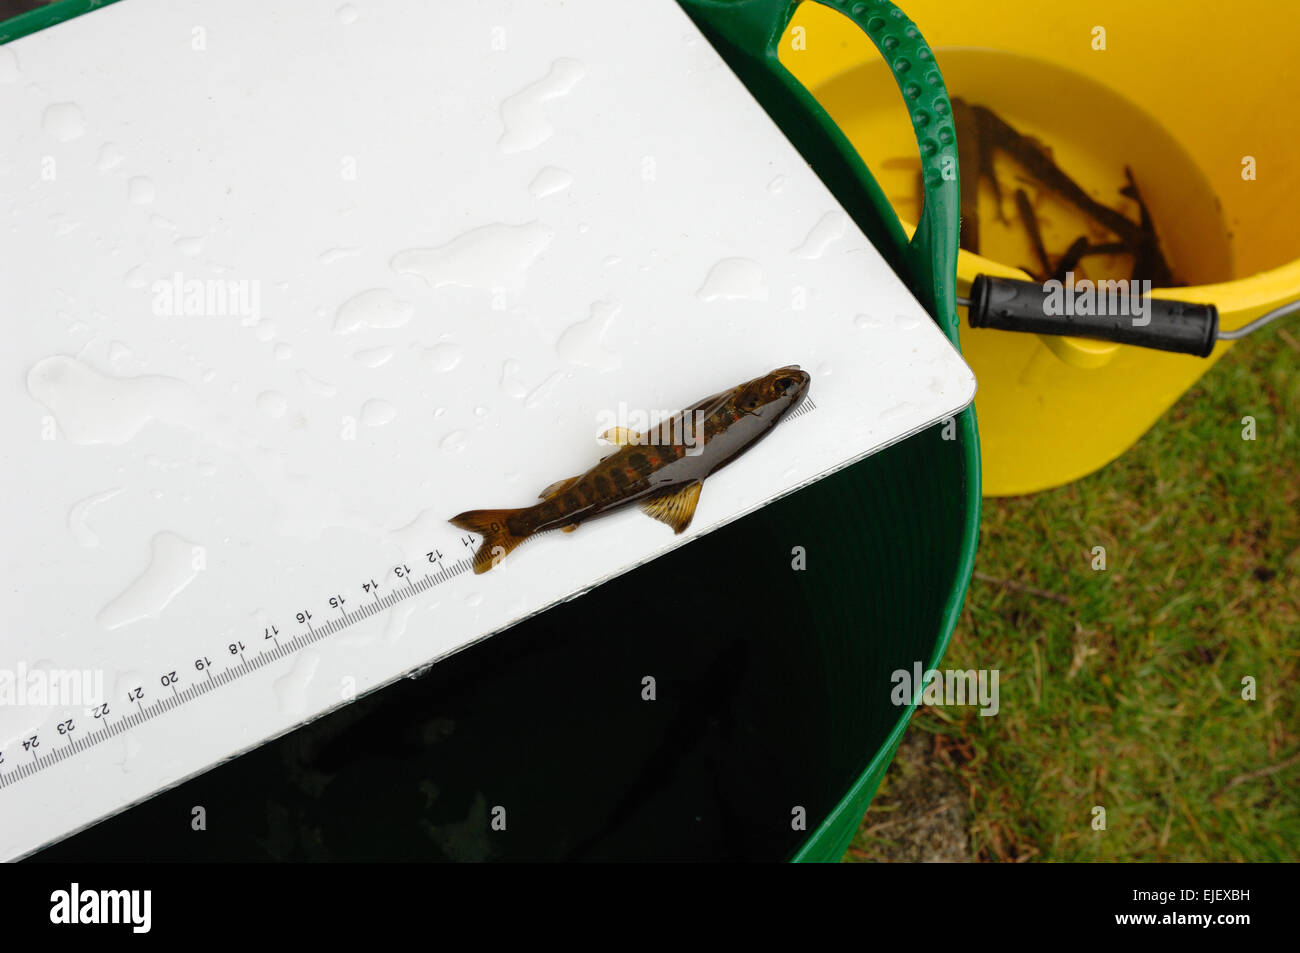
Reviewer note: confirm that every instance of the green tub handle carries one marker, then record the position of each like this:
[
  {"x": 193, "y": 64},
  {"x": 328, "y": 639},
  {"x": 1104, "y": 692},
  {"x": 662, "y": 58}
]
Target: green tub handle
[{"x": 747, "y": 34}]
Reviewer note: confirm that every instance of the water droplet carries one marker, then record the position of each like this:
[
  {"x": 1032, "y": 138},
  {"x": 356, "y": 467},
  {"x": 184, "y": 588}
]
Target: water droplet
[
  {"x": 445, "y": 357},
  {"x": 110, "y": 157},
  {"x": 348, "y": 14},
  {"x": 191, "y": 245},
  {"x": 129, "y": 749},
  {"x": 734, "y": 279},
  {"x": 317, "y": 386},
  {"x": 550, "y": 181},
  {"x": 9, "y": 72},
  {"x": 376, "y": 413},
  {"x": 331, "y": 255},
  {"x": 119, "y": 356},
  {"x": 542, "y": 390},
  {"x": 474, "y": 599},
  {"x": 398, "y": 617},
  {"x": 509, "y": 383},
  {"x": 776, "y": 185},
  {"x": 493, "y": 256},
  {"x": 375, "y": 356},
  {"x": 525, "y": 122},
  {"x": 291, "y": 688},
  {"x": 63, "y": 121},
  {"x": 868, "y": 321},
  {"x": 92, "y": 408},
  {"x": 481, "y": 411},
  {"x": 64, "y": 224},
  {"x": 828, "y": 230},
  {"x": 283, "y": 352},
  {"x": 140, "y": 191},
  {"x": 376, "y": 308},
  {"x": 453, "y": 442},
  {"x": 80, "y": 513},
  {"x": 581, "y": 343},
  {"x": 174, "y": 564}
]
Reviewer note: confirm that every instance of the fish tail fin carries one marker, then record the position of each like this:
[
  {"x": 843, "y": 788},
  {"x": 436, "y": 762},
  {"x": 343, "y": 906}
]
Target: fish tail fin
[{"x": 493, "y": 526}]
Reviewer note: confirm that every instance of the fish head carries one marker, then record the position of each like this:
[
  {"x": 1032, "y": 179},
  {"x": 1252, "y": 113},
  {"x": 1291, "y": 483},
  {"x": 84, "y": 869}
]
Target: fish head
[{"x": 774, "y": 394}]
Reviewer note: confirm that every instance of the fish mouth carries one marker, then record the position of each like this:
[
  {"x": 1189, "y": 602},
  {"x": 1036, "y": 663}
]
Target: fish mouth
[{"x": 792, "y": 380}]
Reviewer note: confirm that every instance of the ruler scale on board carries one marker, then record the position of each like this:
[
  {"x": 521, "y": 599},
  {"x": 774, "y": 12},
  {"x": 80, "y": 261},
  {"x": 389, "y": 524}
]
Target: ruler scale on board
[{"x": 113, "y": 727}]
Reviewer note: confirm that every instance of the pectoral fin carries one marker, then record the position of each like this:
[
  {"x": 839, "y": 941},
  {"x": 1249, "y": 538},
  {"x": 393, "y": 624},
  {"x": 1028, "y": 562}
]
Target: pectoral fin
[
  {"x": 676, "y": 508},
  {"x": 558, "y": 487},
  {"x": 621, "y": 436}
]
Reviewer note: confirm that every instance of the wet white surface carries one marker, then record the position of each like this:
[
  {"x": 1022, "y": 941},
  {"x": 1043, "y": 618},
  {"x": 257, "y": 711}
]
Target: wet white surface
[{"x": 284, "y": 289}]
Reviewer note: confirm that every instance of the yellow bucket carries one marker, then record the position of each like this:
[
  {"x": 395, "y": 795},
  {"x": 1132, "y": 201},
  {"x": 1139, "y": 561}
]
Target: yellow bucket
[{"x": 1198, "y": 103}]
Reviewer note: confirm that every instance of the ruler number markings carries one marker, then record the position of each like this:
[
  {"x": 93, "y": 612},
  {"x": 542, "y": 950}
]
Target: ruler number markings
[{"x": 207, "y": 680}]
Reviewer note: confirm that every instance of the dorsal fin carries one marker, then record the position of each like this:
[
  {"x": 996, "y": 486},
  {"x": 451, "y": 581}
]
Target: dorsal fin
[
  {"x": 621, "y": 436},
  {"x": 558, "y": 487},
  {"x": 675, "y": 507}
]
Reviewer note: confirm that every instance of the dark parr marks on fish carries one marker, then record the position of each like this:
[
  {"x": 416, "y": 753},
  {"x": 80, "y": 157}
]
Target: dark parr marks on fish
[
  {"x": 543, "y": 513},
  {"x": 602, "y": 485},
  {"x": 638, "y": 462}
]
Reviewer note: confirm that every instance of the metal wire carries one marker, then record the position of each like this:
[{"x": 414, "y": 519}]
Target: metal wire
[{"x": 1291, "y": 307}]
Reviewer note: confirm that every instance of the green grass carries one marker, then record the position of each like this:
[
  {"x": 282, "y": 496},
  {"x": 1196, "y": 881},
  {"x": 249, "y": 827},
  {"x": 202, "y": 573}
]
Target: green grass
[{"x": 1129, "y": 696}]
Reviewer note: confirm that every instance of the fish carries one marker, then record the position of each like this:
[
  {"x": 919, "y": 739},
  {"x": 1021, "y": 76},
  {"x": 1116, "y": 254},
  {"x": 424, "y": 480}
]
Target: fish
[{"x": 661, "y": 471}]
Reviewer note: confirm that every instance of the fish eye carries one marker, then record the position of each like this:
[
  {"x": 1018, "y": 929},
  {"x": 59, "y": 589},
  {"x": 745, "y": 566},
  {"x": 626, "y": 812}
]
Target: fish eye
[{"x": 785, "y": 383}]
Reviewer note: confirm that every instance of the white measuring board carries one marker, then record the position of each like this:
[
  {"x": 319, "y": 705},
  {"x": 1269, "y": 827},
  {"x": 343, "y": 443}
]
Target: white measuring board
[{"x": 285, "y": 286}]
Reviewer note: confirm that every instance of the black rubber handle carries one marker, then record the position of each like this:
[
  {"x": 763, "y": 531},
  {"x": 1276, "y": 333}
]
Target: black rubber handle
[{"x": 1009, "y": 305}]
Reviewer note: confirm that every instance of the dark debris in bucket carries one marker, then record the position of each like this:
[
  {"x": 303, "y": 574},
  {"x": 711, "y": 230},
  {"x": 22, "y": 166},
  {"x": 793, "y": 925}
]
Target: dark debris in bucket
[{"x": 981, "y": 133}]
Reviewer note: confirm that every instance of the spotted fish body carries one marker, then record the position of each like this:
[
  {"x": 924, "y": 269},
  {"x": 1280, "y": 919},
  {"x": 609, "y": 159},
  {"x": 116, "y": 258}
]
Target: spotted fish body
[{"x": 661, "y": 471}]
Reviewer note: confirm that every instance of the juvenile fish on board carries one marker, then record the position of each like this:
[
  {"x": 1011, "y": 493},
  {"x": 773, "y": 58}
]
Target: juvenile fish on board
[{"x": 661, "y": 470}]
